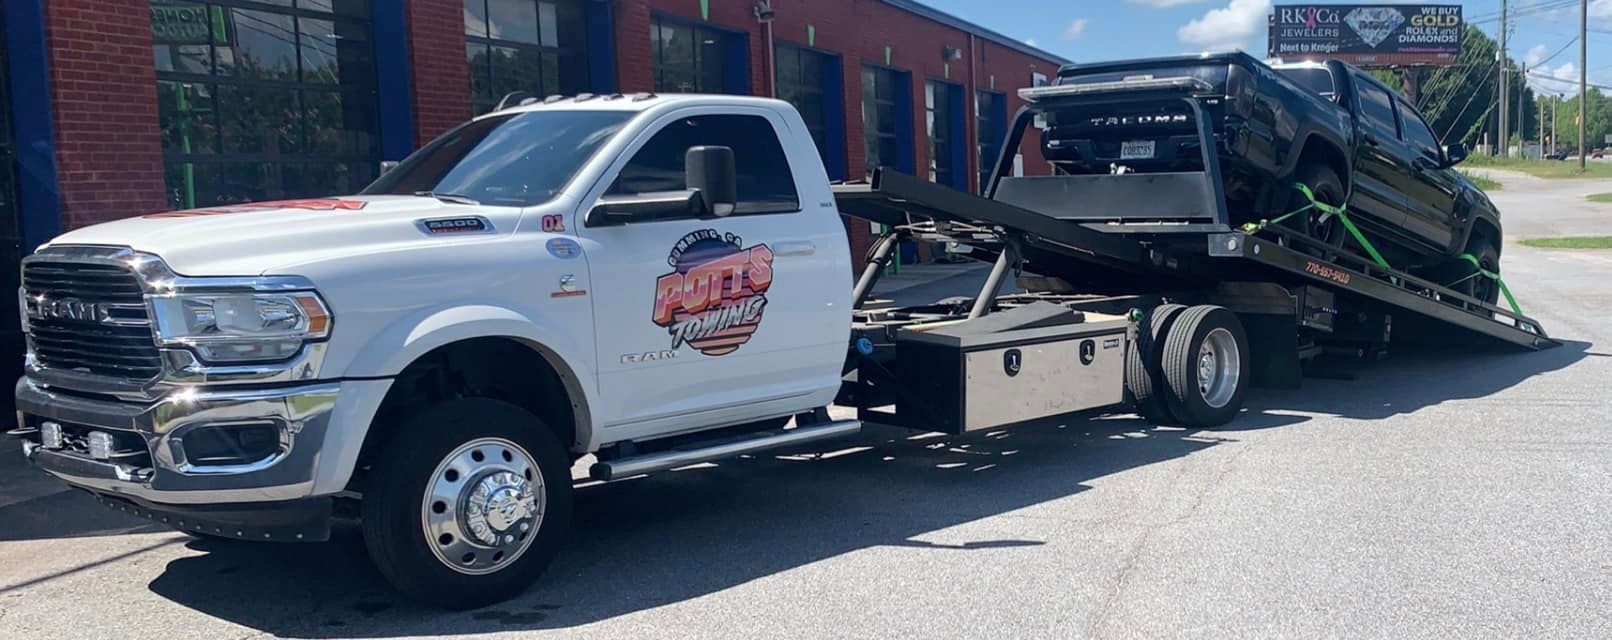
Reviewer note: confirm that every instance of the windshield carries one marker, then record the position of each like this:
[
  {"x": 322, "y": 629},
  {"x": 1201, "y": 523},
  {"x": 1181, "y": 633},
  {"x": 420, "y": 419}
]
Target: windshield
[
  {"x": 518, "y": 159},
  {"x": 1316, "y": 79}
]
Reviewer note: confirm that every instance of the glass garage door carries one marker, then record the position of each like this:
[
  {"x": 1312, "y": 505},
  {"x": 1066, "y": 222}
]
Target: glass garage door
[{"x": 261, "y": 100}]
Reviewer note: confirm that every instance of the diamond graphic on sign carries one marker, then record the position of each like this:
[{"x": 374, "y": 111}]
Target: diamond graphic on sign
[{"x": 1374, "y": 24}]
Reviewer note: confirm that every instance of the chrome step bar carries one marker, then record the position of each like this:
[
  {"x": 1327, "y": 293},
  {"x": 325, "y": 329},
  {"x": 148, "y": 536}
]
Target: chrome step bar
[{"x": 661, "y": 461}]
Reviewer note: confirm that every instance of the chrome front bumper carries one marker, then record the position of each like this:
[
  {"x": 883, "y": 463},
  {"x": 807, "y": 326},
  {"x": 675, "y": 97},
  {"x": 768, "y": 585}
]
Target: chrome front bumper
[{"x": 302, "y": 415}]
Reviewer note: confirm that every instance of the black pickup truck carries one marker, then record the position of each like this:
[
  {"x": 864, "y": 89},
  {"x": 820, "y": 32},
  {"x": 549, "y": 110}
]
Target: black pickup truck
[{"x": 1328, "y": 125}]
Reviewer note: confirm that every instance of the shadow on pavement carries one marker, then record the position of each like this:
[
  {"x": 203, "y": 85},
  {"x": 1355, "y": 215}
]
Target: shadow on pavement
[
  {"x": 1414, "y": 379},
  {"x": 646, "y": 543}
]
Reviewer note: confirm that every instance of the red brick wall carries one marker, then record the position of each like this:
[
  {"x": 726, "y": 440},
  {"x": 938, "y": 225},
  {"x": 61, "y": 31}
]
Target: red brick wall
[
  {"x": 634, "y": 63},
  {"x": 438, "y": 70},
  {"x": 104, "y": 98}
]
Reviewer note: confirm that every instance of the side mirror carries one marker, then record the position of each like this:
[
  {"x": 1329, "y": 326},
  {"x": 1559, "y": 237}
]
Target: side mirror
[
  {"x": 710, "y": 172},
  {"x": 1455, "y": 153}
]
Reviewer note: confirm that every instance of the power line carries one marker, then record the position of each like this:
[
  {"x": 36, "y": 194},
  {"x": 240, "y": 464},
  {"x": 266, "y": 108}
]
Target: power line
[{"x": 1568, "y": 81}]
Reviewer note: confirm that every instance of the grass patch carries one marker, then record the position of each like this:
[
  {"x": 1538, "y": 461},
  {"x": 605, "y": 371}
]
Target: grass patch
[
  {"x": 1486, "y": 183},
  {"x": 1571, "y": 242},
  {"x": 1599, "y": 197},
  {"x": 1543, "y": 168}
]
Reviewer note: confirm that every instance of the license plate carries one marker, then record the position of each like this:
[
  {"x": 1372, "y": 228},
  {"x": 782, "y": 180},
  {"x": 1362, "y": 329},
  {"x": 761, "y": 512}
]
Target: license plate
[{"x": 1136, "y": 150}]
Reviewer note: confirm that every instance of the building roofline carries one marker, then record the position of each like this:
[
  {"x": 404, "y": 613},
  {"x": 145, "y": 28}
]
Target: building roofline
[{"x": 963, "y": 25}]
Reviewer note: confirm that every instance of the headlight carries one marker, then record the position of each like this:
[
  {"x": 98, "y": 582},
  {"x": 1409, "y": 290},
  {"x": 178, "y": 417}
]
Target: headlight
[{"x": 241, "y": 327}]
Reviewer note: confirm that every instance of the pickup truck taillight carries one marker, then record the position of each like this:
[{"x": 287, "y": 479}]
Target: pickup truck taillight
[{"x": 1240, "y": 86}]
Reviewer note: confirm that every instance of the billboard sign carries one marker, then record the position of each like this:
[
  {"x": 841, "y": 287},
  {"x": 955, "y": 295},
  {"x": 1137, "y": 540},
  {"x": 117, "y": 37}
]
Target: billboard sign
[{"x": 1367, "y": 34}]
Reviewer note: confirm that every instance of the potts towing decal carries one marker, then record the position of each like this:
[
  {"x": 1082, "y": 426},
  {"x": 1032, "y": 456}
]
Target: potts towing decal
[{"x": 714, "y": 297}]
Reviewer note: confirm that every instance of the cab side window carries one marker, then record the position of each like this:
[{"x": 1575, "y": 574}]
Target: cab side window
[
  {"x": 1377, "y": 108},
  {"x": 765, "y": 184},
  {"x": 1418, "y": 135}
]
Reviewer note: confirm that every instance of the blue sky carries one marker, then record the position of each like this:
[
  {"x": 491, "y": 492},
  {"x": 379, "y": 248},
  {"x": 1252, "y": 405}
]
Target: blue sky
[{"x": 1108, "y": 29}]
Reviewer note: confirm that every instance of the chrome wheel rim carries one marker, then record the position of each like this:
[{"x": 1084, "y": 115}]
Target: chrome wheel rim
[
  {"x": 483, "y": 506},
  {"x": 1219, "y": 368}
]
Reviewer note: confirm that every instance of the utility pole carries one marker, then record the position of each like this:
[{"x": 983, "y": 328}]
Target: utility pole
[
  {"x": 1583, "y": 78},
  {"x": 1505, "y": 136},
  {"x": 1522, "y": 89},
  {"x": 1539, "y": 112}
]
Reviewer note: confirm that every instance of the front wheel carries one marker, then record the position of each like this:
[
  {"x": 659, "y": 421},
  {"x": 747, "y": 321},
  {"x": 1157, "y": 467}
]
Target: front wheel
[{"x": 468, "y": 505}]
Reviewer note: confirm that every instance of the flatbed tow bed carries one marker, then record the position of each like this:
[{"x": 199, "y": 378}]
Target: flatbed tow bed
[{"x": 941, "y": 367}]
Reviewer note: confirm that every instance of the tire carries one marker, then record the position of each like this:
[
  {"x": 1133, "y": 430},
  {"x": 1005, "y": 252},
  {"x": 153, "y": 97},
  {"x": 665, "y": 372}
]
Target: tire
[
  {"x": 1325, "y": 229},
  {"x": 1144, "y": 380},
  {"x": 1206, "y": 332},
  {"x": 473, "y": 453},
  {"x": 1477, "y": 286}
]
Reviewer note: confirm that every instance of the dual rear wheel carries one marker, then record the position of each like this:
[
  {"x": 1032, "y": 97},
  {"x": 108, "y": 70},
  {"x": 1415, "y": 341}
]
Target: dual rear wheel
[{"x": 1189, "y": 366}]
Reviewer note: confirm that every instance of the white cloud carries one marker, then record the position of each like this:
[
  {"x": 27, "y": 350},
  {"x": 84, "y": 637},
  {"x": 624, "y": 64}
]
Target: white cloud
[
  {"x": 1234, "y": 26},
  {"x": 1163, "y": 4},
  {"x": 1030, "y": 41},
  {"x": 1558, "y": 81},
  {"x": 1601, "y": 9},
  {"x": 1075, "y": 29},
  {"x": 1535, "y": 55}
]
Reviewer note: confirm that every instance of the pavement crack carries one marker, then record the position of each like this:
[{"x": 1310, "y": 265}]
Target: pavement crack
[{"x": 1134, "y": 553}]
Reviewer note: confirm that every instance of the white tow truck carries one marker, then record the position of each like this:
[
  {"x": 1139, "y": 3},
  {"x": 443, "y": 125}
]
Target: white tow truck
[{"x": 653, "y": 280}]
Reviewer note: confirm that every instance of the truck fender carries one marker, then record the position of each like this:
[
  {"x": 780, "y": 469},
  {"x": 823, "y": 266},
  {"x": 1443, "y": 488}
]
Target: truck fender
[
  {"x": 406, "y": 340},
  {"x": 1302, "y": 143}
]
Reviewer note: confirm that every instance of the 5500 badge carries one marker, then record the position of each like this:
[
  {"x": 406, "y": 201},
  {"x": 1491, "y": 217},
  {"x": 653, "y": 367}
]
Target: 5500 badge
[{"x": 714, "y": 297}]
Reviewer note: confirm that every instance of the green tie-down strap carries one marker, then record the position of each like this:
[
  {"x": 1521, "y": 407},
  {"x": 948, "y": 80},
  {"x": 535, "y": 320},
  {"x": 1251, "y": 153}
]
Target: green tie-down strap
[
  {"x": 1504, "y": 290},
  {"x": 1341, "y": 212}
]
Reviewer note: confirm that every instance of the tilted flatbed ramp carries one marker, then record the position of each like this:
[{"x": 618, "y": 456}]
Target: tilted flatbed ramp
[
  {"x": 1167, "y": 257},
  {"x": 1357, "y": 275},
  {"x": 896, "y": 199}
]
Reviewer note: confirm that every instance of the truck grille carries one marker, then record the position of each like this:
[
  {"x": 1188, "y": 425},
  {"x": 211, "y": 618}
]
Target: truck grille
[{"x": 114, "y": 339}]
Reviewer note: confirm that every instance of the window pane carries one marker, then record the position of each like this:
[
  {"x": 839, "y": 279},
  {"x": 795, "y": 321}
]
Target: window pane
[
  {"x": 481, "y": 74},
  {"x": 765, "y": 183},
  {"x": 476, "y": 18},
  {"x": 572, "y": 69},
  {"x": 1419, "y": 135},
  {"x": 265, "y": 46},
  {"x": 218, "y": 183},
  {"x": 516, "y": 70},
  {"x": 260, "y": 120},
  {"x": 710, "y": 60},
  {"x": 185, "y": 111},
  {"x": 512, "y": 20},
  {"x": 1377, "y": 108},
  {"x": 318, "y": 179},
  {"x": 338, "y": 123},
  {"x": 183, "y": 58},
  {"x": 788, "y": 67},
  {"x": 676, "y": 48},
  {"x": 548, "y": 25}
]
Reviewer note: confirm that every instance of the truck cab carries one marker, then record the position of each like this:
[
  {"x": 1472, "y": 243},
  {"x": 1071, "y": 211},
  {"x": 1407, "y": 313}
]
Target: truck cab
[{"x": 541, "y": 283}]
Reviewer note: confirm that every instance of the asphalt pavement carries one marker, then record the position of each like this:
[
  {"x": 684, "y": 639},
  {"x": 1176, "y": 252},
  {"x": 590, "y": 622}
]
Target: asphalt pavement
[{"x": 1435, "y": 494}]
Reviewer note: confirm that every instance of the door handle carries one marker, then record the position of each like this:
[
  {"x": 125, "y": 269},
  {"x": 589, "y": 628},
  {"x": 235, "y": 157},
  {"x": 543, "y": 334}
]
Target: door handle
[
  {"x": 794, "y": 248},
  {"x": 1370, "y": 139}
]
